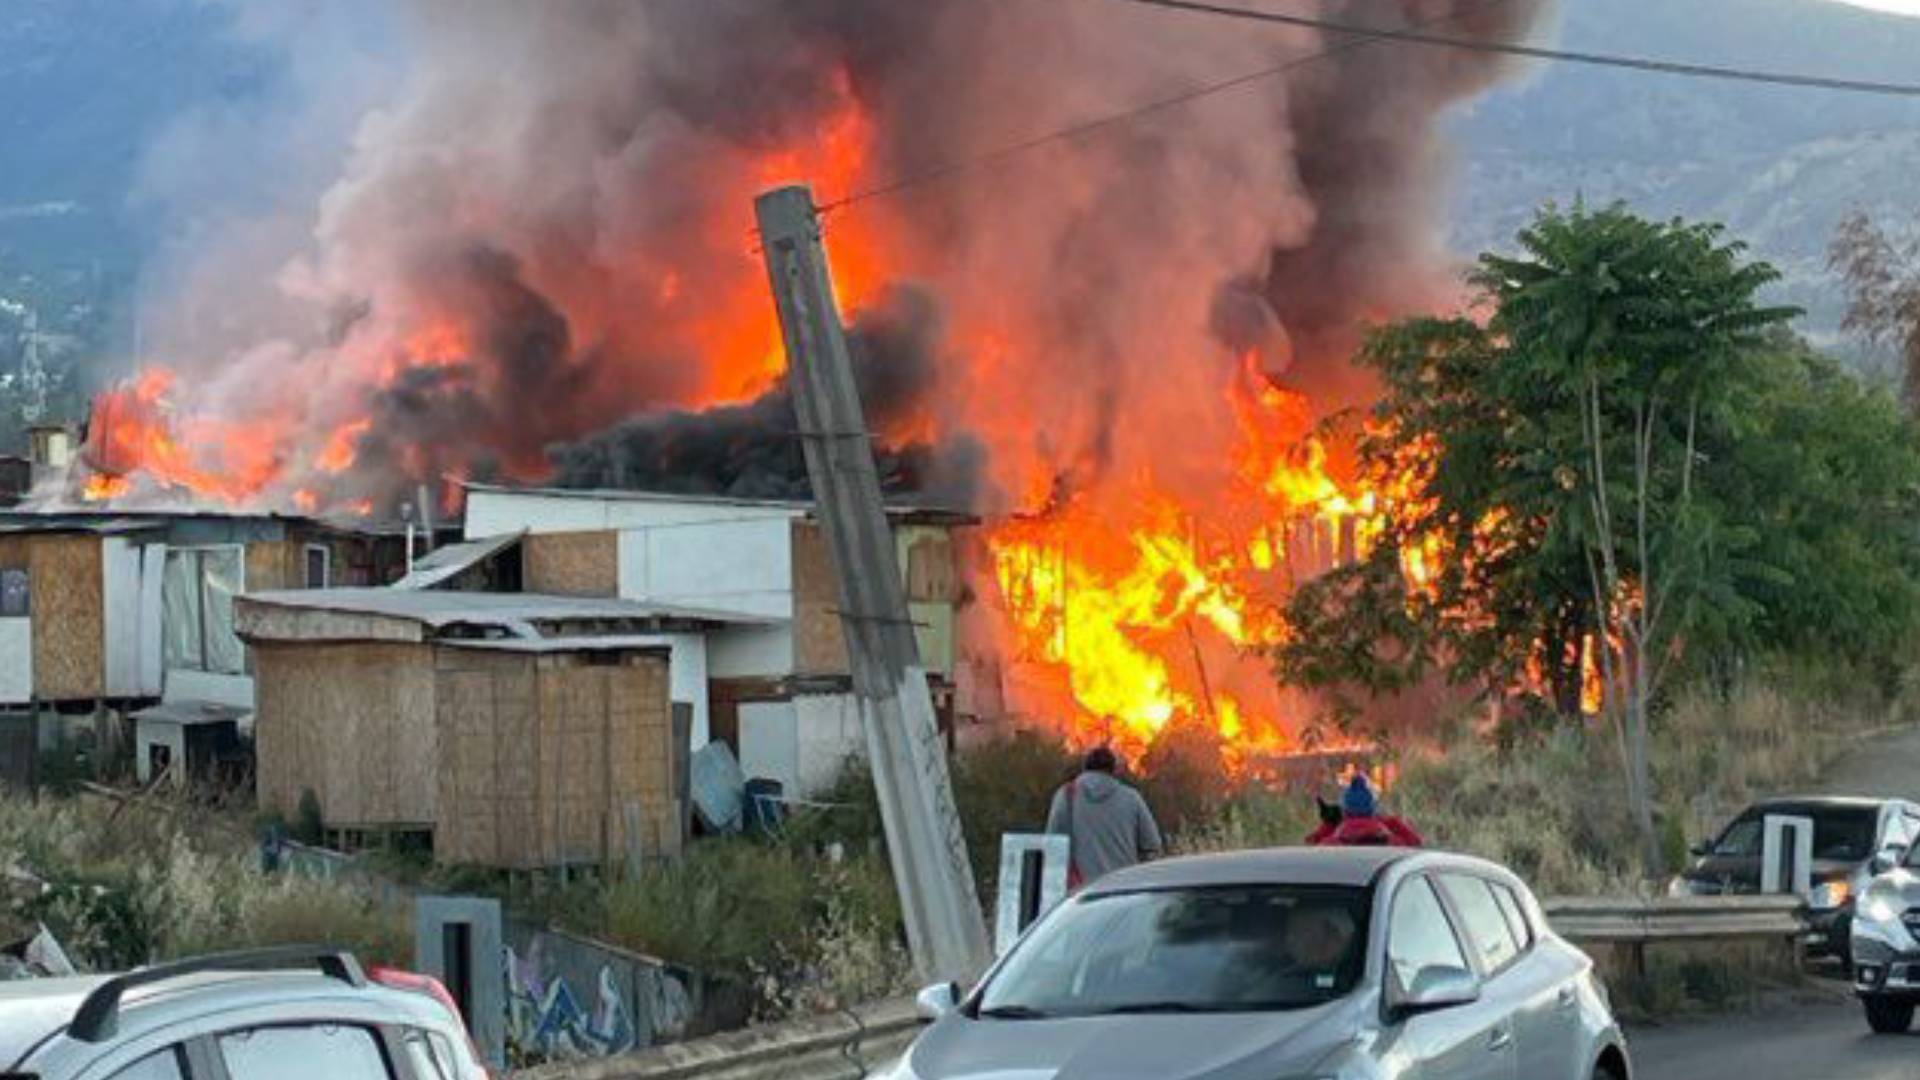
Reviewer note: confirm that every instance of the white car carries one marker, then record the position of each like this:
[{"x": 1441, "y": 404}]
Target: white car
[
  {"x": 1291, "y": 964},
  {"x": 272, "y": 1014}
]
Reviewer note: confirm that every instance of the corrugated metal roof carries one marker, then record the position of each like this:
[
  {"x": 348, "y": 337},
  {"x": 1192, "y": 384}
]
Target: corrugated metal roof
[
  {"x": 439, "y": 608},
  {"x": 448, "y": 562}
]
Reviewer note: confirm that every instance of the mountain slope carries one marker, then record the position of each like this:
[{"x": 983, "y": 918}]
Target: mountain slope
[{"x": 1780, "y": 166}]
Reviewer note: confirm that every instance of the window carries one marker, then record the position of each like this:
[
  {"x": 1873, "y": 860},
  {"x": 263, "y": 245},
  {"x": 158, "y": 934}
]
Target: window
[
  {"x": 1229, "y": 949},
  {"x": 430, "y": 1056},
  {"x": 197, "y": 605},
  {"x": 1843, "y": 834},
  {"x": 164, "y": 1065},
  {"x": 16, "y": 593},
  {"x": 319, "y": 566},
  {"x": 1487, "y": 930},
  {"x": 1516, "y": 915},
  {"x": 1419, "y": 935},
  {"x": 318, "y": 1052}
]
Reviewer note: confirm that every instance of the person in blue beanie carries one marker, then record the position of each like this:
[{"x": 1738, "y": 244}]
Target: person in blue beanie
[{"x": 1362, "y": 823}]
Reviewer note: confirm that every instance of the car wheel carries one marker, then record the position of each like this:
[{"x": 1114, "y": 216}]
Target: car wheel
[
  {"x": 1888, "y": 1016},
  {"x": 1604, "y": 1071}
]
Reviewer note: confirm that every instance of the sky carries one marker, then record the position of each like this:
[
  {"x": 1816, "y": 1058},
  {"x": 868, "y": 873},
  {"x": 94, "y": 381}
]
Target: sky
[{"x": 1899, "y": 7}]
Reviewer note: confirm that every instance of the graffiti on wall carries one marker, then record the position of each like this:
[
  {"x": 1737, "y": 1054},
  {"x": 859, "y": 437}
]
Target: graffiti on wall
[{"x": 571, "y": 998}]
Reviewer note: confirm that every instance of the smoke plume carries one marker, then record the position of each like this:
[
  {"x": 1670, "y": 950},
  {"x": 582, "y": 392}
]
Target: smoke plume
[{"x": 536, "y": 259}]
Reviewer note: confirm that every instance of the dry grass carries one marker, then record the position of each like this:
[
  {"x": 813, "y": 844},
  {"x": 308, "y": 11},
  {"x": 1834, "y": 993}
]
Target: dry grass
[
  {"x": 1550, "y": 806},
  {"x": 162, "y": 881}
]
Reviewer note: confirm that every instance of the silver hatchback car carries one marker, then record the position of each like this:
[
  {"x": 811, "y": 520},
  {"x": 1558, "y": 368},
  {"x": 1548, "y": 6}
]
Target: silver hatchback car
[
  {"x": 276, "y": 1014},
  {"x": 1291, "y": 964}
]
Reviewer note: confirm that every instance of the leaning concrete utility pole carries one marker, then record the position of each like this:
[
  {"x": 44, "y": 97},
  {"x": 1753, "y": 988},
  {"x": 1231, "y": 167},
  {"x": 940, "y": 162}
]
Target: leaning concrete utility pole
[{"x": 945, "y": 927}]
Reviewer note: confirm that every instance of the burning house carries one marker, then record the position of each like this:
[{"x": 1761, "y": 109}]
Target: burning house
[
  {"x": 775, "y": 686},
  {"x": 1117, "y": 348},
  {"x": 103, "y": 613}
]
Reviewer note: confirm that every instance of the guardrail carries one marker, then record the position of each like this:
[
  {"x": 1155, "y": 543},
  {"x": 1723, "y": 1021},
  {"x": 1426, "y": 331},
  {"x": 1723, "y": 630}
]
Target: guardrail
[
  {"x": 847, "y": 1045},
  {"x": 1633, "y": 925},
  {"x": 855, "y": 1043},
  {"x": 1607, "y": 921}
]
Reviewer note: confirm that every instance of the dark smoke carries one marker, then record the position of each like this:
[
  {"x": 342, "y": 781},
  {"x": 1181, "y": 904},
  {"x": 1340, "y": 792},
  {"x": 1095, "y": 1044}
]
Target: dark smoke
[
  {"x": 569, "y": 184},
  {"x": 754, "y": 450}
]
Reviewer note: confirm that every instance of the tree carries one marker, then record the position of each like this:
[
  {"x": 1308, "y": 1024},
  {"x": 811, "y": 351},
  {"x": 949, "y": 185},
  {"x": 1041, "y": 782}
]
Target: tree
[
  {"x": 1566, "y": 488},
  {"x": 1883, "y": 276}
]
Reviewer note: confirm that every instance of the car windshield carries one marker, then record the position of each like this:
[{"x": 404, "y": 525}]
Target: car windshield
[
  {"x": 1842, "y": 834},
  {"x": 1233, "y": 949}
]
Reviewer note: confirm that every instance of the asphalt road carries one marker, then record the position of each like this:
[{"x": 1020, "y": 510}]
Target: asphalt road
[{"x": 1828, "y": 1040}]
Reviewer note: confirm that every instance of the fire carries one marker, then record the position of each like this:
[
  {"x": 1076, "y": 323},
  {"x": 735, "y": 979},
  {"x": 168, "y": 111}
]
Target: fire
[
  {"x": 1154, "y": 609},
  {"x": 1137, "y": 604},
  {"x": 337, "y": 456}
]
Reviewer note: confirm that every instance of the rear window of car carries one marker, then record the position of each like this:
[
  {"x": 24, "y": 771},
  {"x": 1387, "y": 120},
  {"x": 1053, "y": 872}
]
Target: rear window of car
[
  {"x": 305, "y": 1052},
  {"x": 1840, "y": 833}
]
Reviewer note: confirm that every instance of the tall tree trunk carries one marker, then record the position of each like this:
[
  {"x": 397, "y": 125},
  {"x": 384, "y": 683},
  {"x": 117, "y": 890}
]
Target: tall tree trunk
[{"x": 1640, "y": 764}]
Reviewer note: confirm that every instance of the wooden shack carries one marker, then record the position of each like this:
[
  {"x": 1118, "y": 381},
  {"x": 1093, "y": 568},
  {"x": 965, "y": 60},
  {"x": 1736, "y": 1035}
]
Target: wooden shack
[
  {"x": 108, "y": 608},
  {"x": 519, "y": 731}
]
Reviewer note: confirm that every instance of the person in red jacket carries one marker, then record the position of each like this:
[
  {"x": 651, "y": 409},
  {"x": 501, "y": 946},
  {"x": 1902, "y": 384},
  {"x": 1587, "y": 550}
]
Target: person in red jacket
[{"x": 1362, "y": 823}]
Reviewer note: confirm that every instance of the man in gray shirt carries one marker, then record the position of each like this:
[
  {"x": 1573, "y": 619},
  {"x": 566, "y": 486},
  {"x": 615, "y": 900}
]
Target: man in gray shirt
[{"x": 1106, "y": 822}]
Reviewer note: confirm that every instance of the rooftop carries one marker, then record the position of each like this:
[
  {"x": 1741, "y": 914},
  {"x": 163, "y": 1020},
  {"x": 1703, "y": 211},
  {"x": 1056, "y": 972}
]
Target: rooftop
[
  {"x": 442, "y": 608},
  {"x": 447, "y": 562},
  {"x": 917, "y": 510}
]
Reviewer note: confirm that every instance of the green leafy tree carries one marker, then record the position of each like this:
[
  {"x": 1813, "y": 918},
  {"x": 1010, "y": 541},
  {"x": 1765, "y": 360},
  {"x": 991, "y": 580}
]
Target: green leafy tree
[{"x": 1631, "y": 467}]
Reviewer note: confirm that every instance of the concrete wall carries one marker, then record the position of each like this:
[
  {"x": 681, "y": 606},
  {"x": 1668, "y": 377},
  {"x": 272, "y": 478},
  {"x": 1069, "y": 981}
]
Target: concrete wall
[
  {"x": 830, "y": 734},
  {"x": 804, "y": 743},
  {"x": 152, "y": 733}
]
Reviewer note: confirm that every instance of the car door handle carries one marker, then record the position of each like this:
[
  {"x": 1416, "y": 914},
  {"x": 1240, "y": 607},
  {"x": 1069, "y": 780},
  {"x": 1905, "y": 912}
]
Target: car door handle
[
  {"x": 1499, "y": 1040},
  {"x": 1567, "y": 998}
]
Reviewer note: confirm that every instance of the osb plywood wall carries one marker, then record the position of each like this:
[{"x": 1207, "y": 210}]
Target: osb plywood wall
[
  {"x": 574, "y": 563},
  {"x": 820, "y": 642},
  {"x": 275, "y": 564},
  {"x": 69, "y": 614},
  {"x": 353, "y": 722},
  {"x": 549, "y": 757}
]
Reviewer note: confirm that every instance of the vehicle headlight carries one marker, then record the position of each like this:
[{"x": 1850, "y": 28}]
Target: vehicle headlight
[
  {"x": 1879, "y": 905},
  {"x": 1830, "y": 895}
]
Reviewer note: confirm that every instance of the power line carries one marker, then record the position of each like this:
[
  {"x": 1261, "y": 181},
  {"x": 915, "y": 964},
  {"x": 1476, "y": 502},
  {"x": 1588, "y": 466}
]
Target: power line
[
  {"x": 1417, "y": 36},
  {"x": 1113, "y": 120},
  {"x": 1357, "y": 36}
]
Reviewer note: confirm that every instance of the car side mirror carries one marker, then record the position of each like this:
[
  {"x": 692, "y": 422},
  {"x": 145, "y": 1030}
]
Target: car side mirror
[
  {"x": 936, "y": 1001},
  {"x": 1701, "y": 850},
  {"x": 1436, "y": 988},
  {"x": 1887, "y": 860}
]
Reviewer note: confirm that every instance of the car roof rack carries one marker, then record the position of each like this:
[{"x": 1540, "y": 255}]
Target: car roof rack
[{"x": 99, "y": 1013}]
